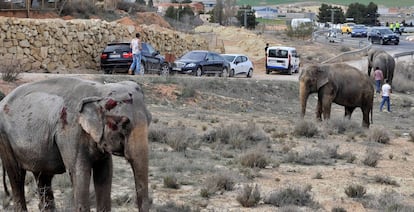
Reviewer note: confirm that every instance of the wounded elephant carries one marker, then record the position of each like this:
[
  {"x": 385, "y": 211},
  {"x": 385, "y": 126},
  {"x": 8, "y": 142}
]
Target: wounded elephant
[
  {"x": 339, "y": 83},
  {"x": 69, "y": 124}
]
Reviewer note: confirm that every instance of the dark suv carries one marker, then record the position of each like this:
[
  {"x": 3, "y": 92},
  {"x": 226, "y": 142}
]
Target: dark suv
[
  {"x": 383, "y": 35},
  {"x": 117, "y": 58}
]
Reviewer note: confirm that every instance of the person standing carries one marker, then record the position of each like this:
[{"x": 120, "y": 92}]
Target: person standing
[
  {"x": 267, "y": 46},
  {"x": 378, "y": 79},
  {"x": 135, "y": 45},
  {"x": 386, "y": 93}
]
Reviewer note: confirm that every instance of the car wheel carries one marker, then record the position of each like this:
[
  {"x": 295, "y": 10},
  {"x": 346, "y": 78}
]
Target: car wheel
[
  {"x": 198, "y": 72},
  {"x": 142, "y": 68},
  {"x": 396, "y": 43},
  {"x": 249, "y": 73},
  {"x": 165, "y": 70},
  {"x": 231, "y": 74},
  {"x": 224, "y": 73}
]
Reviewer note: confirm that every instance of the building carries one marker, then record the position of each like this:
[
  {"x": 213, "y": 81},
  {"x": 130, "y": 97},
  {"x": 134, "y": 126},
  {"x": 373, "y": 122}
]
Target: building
[{"x": 265, "y": 12}]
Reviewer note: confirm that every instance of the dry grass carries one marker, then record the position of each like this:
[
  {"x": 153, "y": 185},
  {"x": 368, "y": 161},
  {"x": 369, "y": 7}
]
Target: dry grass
[
  {"x": 10, "y": 69},
  {"x": 249, "y": 196}
]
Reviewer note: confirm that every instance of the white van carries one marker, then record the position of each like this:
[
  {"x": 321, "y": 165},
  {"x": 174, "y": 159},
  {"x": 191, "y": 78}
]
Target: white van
[
  {"x": 282, "y": 59},
  {"x": 296, "y": 22}
]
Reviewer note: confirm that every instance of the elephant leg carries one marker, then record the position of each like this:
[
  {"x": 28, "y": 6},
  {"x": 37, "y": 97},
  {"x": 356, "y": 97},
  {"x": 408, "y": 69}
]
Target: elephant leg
[
  {"x": 326, "y": 106},
  {"x": 365, "y": 116},
  {"x": 17, "y": 177},
  {"x": 102, "y": 178},
  {"x": 44, "y": 188},
  {"x": 319, "y": 109},
  {"x": 349, "y": 111},
  {"x": 81, "y": 176}
]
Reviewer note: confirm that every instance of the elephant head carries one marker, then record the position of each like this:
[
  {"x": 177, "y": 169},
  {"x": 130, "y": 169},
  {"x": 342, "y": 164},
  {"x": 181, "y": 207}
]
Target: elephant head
[
  {"x": 118, "y": 122},
  {"x": 311, "y": 79}
]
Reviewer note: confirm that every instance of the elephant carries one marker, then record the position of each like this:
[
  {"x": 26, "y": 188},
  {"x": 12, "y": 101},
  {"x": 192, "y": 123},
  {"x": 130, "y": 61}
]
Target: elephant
[
  {"x": 381, "y": 59},
  {"x": 69, "y": 124},
  {"x": 340, "y": 83}
]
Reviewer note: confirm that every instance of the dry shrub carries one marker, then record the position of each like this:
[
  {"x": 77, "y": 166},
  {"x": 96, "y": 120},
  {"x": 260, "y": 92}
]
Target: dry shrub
[
  {"x": 173, "y": 207},
  {"x": 411, "y": 134},
  {"x": 249, "y": 196},
  {"x": 254, "y": 159},
  {"x": 292, "y": 195},
  {"x": 10, "y": 69},
  {"x": 403, "y": 80},
  {"x": 305, "y": 128},
  {"x": 83, "y": 9},
  {"x": 177, "y": 138},
  {"x": 371, "y": 158},
  {"x": 341, "y": 126},
  {"x": 389, "y": 200},
  {"x": 325, "y": 155},
  {"x": 236, "y": 135},
  {"x": 338, "y": 209},
  {"x": 223, "y": 181},
  {"x": 379, "y": 135},
  {"x": 355, "y": 191},
  {"x": 385, "y": 180},
  {"x": 171, "y": 182}
]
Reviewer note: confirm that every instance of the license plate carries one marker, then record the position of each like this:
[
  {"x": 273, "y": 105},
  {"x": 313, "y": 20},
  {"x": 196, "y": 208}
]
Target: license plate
[{"x": 115, "y": 56}]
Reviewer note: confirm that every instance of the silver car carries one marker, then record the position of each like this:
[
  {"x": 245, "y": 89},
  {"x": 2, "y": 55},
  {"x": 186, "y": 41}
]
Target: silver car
[{"x": 239, "y": 64}]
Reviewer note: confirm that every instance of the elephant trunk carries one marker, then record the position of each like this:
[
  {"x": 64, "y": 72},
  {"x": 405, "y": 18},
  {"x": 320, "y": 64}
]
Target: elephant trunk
[
  {"x": 136, "y": 152},
  {"x": 303, "y": 95}
]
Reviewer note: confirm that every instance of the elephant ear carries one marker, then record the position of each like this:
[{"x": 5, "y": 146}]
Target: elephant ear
[
  {"x": 91, "y": 118},
  {"x": 322, "y": 77}
]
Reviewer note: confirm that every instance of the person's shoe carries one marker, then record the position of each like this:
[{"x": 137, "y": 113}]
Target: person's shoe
[{"x": 130, "y": 72}]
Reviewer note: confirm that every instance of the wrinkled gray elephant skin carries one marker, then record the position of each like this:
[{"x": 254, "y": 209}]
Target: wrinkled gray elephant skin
[
  {"x": 68, "y": 124},
  {"x": 384, "y": 61},
  {"x": 337, "y": 83}
]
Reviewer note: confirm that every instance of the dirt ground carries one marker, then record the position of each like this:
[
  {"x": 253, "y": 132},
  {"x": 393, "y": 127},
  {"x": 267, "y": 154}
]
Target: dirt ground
[{"x": 188, "y": 113}]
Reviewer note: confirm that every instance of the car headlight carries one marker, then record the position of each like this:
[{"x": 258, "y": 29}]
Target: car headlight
[{"x": 190, "y": 65}]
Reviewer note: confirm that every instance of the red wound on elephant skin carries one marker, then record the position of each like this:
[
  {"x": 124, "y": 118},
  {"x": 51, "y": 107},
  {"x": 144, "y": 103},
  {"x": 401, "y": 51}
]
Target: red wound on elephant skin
[
  {"x": 110, "y": 104},
  {"x": 63, "y": 116},
  {"x": 111, "y": 123}
]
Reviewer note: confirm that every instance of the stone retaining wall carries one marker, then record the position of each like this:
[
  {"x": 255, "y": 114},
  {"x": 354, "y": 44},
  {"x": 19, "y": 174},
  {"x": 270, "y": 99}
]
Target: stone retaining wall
[{"x": 47, "y": 44}]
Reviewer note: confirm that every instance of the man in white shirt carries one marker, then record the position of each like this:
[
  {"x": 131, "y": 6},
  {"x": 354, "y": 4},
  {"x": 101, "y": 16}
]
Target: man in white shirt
[
  {"x": 385, "y": 93},
  {"x": 136, "y": 56}
]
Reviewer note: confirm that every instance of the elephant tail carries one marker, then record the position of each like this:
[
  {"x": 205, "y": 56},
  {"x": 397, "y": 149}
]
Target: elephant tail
[{"x": 4, "y": 182}]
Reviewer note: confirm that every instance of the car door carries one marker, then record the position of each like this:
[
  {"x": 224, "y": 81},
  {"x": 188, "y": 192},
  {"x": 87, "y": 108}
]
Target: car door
[
  {"x": 152, "y": 62},
  {"x": 375, "y": 35},
  {"x": 238, "y": 62},
  {"x": 208, "y": 63}
]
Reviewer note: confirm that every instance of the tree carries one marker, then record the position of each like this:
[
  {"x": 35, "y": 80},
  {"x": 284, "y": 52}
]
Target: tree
[
  {"x": 325, "y": 14},
  {"x": 142, "y": 2},
  {"x": 246, "y": 14},
  {"x": 363, "y": 14},
  {"x": 150, "y": 4},
  {"x": 171, "y": 12},
  {"x": 230, "y": 11},
  {"x": 218, "y": 12}
]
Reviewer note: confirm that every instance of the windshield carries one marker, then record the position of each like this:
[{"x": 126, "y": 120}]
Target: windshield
[
  {"x": 385, "y": 31},
  {"x": 195, "y": 56},
  {"x": 278, "y": 53},
  {"x": 229, "y": 58}
]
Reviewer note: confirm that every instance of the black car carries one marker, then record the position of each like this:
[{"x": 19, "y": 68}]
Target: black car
[
  {"x": 383, "y": 35},
  {"x": 200, "y": 62},
  {"x": 117, "y": 58}
]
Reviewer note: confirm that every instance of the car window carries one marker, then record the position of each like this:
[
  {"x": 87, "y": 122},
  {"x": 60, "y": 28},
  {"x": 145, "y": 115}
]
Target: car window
[
  {"x": 210, "y": 57},
  {"x": 229, "y": 58},
  {"x": 194, "y": 56},
  {"x": 244, "y": 59},
  {"x": 239, "y": 59},
  {"x": 117, "y": 47},
  {"x": 294, "y": 53},
  {"x": 148, "y": 48}
]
